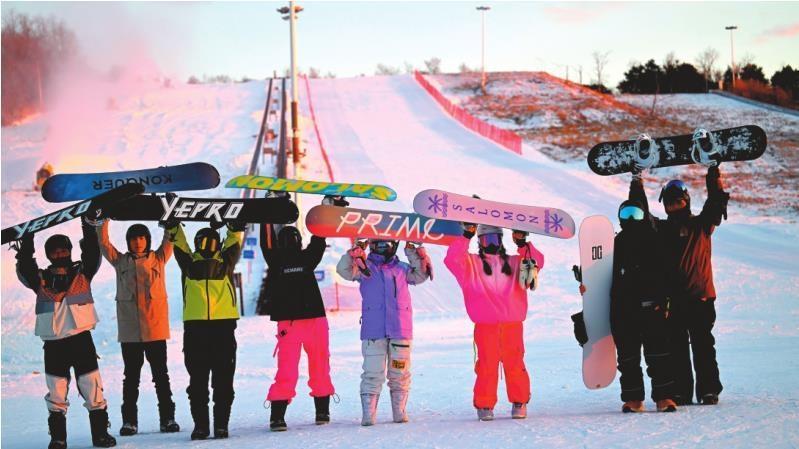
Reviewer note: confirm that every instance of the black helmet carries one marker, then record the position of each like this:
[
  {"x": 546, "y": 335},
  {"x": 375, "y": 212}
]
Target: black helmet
[
  {"x": 289, "y": 237},
  {"x": 386, "y": 248},
  {"x": 206, "y": 242},
  {"x": 55, "y": 242},
  {"x": 138, "y": 230},
  {"x": 675, "y": 190},
  {"x": 631, "y": 214}
]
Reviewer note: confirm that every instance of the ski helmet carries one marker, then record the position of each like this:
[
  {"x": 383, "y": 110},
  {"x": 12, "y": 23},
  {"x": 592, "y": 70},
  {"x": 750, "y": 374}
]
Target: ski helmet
[
  {"x": 289, "y": 237},
  {"x": 206, "y": 242},
  {"x": 386, "y": 248},
  {"x": 138, "y": 230},
  {"x": 57, "y": 241},
  {"x": 673, "y": 191},
  {"x": 631, "y": 214},
  {"x": 489, "y": 238}
]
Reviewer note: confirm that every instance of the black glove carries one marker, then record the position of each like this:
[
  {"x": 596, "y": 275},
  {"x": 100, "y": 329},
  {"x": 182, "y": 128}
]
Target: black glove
[
  {"x": 237, "y": 225},
  {"x": 469, "y": 229},
  {"x": 216, "y": 224},
  {"x": 579, "y": 328},
  {"x": 335, "y": 200},
  {"x": 520, "y": 238},
  {"x": 24, "y": 247},
  {"x": 169, "y": 223}
]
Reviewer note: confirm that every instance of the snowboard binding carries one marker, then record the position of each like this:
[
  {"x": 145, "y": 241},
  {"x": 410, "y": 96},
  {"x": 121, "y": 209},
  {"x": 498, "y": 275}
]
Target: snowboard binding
[
  {"x": 646, "y": 152},
  {"x": 704, "y": 146}
]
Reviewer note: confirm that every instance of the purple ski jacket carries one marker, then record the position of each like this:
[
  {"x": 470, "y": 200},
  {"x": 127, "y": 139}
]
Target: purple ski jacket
[{"x": 386, "y": 310}]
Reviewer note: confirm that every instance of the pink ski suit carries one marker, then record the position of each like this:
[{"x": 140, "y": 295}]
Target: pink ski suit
[{"x": 497, "y": 304}]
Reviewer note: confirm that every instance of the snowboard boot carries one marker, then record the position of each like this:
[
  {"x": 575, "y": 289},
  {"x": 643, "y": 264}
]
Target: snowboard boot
[
  {"x": 519, "y": 410},
  {"x": 682, "y": 400},
  {"x": 200, "y": 432},
  {"x": 220, "y": 433},
  {"x": 221, "y": 420},
  {"x": 130, "y": 421},
  {"x": 166, "y": 415},
  {"x": 633, "y": 407},
  {"x": 369, "y": 405},
  {"x": 398, "y": 401},
  {"x": 710, "y": 399},
  {"x": 666, "y": 405},
  {"x": 202, "y": 428},
  {"x": 485, "y": 414},
  {"x": 322, "y": 405},
  {"x": 277, "y": 420},
  {"x": 98, "y": 421},
  {"x": 57, "y": 422}
]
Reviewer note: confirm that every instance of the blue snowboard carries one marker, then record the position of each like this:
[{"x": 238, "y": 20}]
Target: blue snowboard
[{"x": 175, "y": 178}]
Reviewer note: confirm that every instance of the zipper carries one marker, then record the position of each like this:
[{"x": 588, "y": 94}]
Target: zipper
[
  {"x": 207, "y": 299},
  {"x": 232, "y": 294}
]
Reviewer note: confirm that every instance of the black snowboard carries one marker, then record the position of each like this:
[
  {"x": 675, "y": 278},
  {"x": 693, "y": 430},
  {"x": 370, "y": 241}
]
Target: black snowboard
[
  {"x": 99, "y": 202},
  {"x": 250, "y": 210},
  {"x": 743, "y": 143}
]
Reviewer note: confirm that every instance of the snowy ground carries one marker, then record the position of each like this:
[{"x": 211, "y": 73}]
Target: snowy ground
[{"x": 387, "y": 130}]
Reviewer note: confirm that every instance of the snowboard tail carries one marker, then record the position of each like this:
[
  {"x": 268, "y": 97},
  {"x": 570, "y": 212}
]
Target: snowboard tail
[
  {"x": 335, "y": 221},
  {"x": 250, "y": 210},
  {"x": 546, "y": 221},
  {"x": 99, "y": 202},
  {"x": 370, "y": 191},
  {"x": 81, "y": 186},
  {"x": 743, "y": 143}
]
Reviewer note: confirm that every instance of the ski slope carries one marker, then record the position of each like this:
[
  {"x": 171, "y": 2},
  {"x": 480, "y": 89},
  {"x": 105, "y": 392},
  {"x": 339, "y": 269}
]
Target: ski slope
[{"x": 387, "y": 130}]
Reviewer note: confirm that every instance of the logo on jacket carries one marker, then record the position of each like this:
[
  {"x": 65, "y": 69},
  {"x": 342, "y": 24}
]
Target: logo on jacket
[{"x": 293, "y": 270}]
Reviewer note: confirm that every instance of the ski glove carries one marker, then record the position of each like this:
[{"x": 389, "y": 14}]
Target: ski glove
[
  {"x": 237, "y": 225},
  {"x": 520, "y": 238},
  {"x": 469, "y": 229},
  {"x": 579, "y": 328},
  {"x": 335, "y": 200},
  {"x": 528, "y": 274},
  {"x": 426, "y": 266},
  {"x": 216, "y": 224},
  {"x": 24, "y": 247}
]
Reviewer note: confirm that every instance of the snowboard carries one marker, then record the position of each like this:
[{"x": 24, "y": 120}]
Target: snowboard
[
  {"x": 250, "y": 210},
  {"x": 336, "y": 221},
  {"x": 743, "y": 143},
  {"x": 450, "y": 206},
  {"x": 370, "y": 191},
  {"x": 98, "y": 202},
  {"x": 596, "y": 259},
  {"x": 80, "y": 186}
]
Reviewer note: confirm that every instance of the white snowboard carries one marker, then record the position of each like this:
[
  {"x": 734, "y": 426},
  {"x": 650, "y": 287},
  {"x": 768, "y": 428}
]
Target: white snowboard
[{"x": 596, "y": 260}]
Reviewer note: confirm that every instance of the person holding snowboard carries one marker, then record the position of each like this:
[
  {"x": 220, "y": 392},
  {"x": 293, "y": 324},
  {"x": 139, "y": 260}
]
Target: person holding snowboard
[
  {"x": 494, "y": 287},
  {"x": 689, "y": 276},
  {"x": 386, "y": 319},
  {"x": 142, "y": 320},
  {"x": 65, "y": 317},
  {"x": 296, "y": 304},
  {"x": 210, "y": 313}
]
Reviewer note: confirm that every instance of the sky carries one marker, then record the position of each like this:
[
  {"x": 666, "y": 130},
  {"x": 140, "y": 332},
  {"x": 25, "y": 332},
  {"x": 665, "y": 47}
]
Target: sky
[{"x": 350, "y": 38}]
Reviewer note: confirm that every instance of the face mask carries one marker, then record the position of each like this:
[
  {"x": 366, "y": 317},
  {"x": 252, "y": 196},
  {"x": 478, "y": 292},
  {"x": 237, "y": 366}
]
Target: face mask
[{"x": 62, "y": 262}]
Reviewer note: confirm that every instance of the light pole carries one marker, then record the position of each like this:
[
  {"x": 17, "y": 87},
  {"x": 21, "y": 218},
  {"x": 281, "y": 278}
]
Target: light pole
[
  {"x": 290, "y": 14},
  {"x": 483, "y": 10},
  {"x": 731, "y": 28}
]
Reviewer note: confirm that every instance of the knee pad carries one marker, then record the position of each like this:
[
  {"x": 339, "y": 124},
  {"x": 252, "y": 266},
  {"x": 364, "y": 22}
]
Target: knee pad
[
  {"x": 90, "y": 386},
  {"x": 56, "y": 397}
]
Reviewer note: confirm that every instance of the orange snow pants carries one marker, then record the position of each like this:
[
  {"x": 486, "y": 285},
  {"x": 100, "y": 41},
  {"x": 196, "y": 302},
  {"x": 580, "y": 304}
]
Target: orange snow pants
[{"x": 501, "y": 342}]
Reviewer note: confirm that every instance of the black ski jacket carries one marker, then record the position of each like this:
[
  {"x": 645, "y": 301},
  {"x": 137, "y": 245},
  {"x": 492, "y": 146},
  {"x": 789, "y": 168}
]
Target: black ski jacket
[
  {"x": 293, "y": 290},
  {"x": 687, "y": 240}
]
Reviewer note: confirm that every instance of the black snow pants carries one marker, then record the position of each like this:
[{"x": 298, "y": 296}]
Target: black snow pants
[
  {"x": 209, "y": 351},
  {"x": 643, "y": 325},
  {"x": 133, "y": 355},
  {"x": 691, "y": 326}
]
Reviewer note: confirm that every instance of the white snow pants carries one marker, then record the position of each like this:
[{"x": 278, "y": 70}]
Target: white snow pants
[{"x": 375, "y": 355}]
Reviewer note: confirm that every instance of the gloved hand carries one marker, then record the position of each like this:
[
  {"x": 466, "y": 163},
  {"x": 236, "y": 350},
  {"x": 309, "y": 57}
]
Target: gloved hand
[
  {"x": 520, "y": 238},
  {"x": 469, "y": 229},
  {"x": 357, "y": 252},
  {"x": 236, "y": 225},
  {"x": 24, "y": 247},
  {"x": 335, "y": 200},
  {"x": 216, "y": 224},
  {"x": 579, "y": 328},
  {"x": 425, "y": 264},
  {"x": 528, "y": 274}
]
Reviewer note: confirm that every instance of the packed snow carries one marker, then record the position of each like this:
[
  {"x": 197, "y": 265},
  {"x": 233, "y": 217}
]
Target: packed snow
[{"x": 387, "y": 130}]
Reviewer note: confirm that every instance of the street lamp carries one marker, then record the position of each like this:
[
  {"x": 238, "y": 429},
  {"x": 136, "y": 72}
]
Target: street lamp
[
  {"x": 731, "y": 28},
  {"x": 290, "y": 13},
  {"x": 483, "y": 10}
]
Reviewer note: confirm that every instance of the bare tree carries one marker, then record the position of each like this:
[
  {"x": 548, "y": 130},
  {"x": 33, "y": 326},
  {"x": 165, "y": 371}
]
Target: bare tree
[
  {"x": 313, "y": 72},
  {"x": 600, "y": 62},
  {"x": 463, "y": 68},
  {"x": 580, "y": 72},
  {"x": 383, "y": 69},
  {"x": 409, "y": 68},
  {"x": 433, "y": 65},
  {"x": 706, "y": 60}
]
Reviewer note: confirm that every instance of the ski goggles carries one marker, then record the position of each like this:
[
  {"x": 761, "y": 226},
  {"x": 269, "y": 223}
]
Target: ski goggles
[
  {"x": 382, "y": 246},
  {"x": 672, "y": 187},
  {"x": 487, "y": 240},
  {"x": 631, "y": 213},
  {"x": 207, "y": 244}
]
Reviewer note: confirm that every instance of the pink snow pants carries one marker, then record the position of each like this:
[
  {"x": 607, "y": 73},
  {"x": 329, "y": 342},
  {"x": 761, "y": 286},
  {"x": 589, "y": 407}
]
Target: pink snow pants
[
  {"x": 501, "y": 342},
  {"x": 312, "y": 335}
]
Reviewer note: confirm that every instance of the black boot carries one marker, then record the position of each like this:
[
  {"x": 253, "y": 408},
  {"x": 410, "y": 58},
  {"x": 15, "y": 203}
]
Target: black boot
[
  {"x": 221, "y": 419},
  {"x": 166, "y": 414},
  {"x": 98, "y": 419},
  {"x": 322, "y": 409},
  {"x": 57, "y": 422},
  {"x": 277, "y": 422},
  {"x": 202, "y": 428},
  {"x": 130, "y": 421}
]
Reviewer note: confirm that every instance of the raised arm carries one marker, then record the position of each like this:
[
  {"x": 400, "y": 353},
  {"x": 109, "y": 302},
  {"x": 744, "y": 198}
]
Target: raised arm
[
  {"x": 164, "y": 251},
  {"x": 27, "y": 269},
  {"x": 107, "y": 248},
  {"x": 268, "y": 242},
  {"x": 313, "y": 253},
  {"x": 233, "y": 244},
  {"x": 716, "y": 203},
  {"x": 346, "y": 267},
  {"x": 421, "y": 268},
  {"x": 89, "y": 250},
  {"x": 457, "y": 259},
  {"x": 180, "y": 246}
]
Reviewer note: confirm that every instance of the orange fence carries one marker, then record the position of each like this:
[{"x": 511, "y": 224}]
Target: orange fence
[{"x": 501, "y": 136}]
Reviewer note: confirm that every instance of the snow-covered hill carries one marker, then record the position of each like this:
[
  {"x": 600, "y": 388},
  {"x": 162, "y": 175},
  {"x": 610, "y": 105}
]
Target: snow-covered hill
[{"x": 387, "y": 130}]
